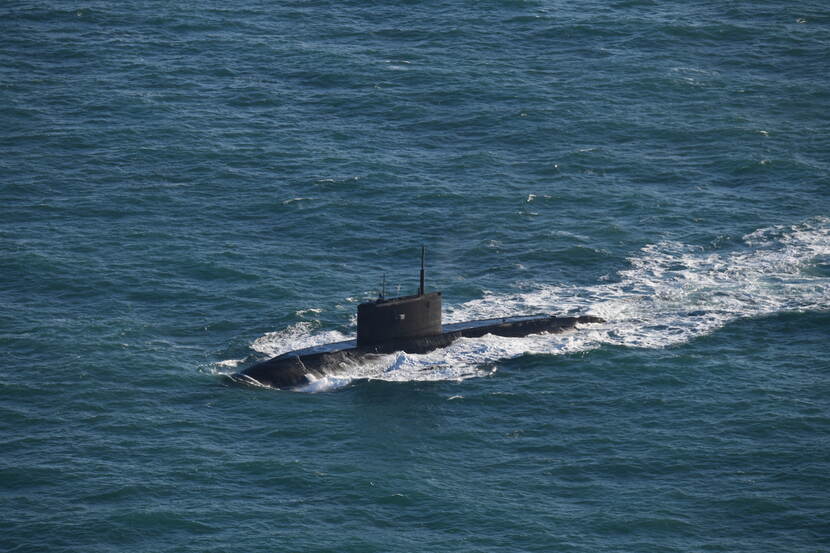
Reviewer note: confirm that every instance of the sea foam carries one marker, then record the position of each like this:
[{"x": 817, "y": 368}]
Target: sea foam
[{"x": 670, "y": 293}]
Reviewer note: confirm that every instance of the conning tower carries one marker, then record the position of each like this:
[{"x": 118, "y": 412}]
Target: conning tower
[{"x": 401, "y": 318}]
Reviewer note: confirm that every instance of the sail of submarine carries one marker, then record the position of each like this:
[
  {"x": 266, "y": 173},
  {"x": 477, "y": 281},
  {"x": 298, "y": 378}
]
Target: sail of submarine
[{"x": 411, "y": 324}]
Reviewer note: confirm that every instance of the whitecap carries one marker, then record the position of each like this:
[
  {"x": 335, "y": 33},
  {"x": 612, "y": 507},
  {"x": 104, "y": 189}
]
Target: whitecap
[{"x": 293, "y": 200}]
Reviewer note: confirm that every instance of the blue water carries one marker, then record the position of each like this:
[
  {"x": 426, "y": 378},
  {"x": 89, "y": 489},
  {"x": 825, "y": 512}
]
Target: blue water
[{"x": 188, "y": 188}]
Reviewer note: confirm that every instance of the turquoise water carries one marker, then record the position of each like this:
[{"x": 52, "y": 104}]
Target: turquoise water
[{"x": 186, "y": 190}]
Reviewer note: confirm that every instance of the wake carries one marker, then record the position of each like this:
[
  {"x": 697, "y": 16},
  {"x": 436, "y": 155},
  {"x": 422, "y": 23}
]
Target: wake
[{"x": 669, "y": 294}]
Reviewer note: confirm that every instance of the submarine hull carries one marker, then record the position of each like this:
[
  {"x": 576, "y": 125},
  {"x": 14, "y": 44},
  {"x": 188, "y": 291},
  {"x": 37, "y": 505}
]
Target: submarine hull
[{"x": 300, "y": 367}]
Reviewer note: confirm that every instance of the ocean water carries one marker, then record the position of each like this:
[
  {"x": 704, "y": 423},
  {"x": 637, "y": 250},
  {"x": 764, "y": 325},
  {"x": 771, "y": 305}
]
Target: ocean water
[{"x": 189, "y": 188}]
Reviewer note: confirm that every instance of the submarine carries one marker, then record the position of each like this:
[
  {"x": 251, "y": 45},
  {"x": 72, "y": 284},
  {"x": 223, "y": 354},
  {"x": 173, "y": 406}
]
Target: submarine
[{"x": 411, "y": 324}]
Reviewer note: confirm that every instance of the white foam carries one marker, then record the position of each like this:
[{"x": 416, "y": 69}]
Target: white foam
[
  {"x": 669, "y": 294},
  {"x": 228, "y": 363},
  {"x": 294, "y": 200},
  {"x": 297, "y": 336},
  {"x": 325, "y": 384}
]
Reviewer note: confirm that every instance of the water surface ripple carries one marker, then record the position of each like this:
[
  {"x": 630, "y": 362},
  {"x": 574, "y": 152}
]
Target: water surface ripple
[{"x": 187, "y": 189}]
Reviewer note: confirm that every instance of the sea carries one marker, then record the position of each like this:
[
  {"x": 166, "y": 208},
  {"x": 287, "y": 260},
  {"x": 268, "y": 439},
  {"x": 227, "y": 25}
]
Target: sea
[{"x": 188, "y": 188}]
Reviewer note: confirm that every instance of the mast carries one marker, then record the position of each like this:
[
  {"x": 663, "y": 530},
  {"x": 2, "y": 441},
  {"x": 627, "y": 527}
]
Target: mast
[
  {"x": 400, "y": 319},
  {"x": 421, "y": 287}
]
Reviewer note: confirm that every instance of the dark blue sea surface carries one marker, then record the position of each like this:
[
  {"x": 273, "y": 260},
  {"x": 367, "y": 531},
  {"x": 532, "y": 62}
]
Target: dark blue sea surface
[{"x": 189, "y": 188}]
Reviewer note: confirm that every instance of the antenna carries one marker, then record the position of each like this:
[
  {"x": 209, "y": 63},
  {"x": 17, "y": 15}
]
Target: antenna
[{"x": 421, "y": 287}]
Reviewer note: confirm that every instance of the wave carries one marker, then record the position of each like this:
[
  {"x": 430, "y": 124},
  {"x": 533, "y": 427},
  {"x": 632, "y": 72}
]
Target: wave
[{"x": 669, "y": 294}]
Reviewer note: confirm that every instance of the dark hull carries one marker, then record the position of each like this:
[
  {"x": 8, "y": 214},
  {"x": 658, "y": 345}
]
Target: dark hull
[{"x": 299, "y": 367}]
